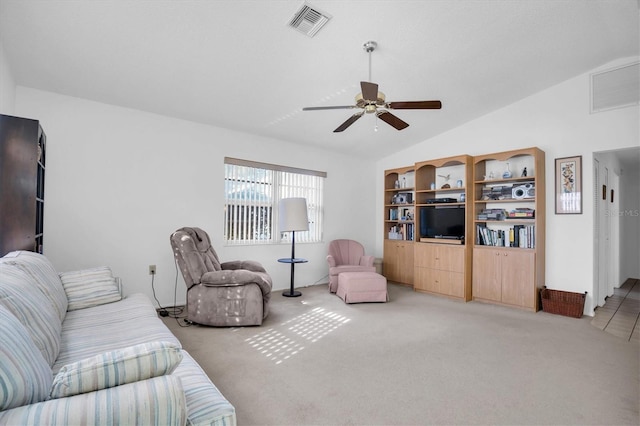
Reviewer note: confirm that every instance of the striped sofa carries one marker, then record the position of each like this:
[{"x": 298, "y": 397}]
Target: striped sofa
[{"x": 73, "y": 351}]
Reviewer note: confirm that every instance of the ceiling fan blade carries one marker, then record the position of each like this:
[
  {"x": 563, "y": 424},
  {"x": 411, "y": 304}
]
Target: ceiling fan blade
[
  {"x": 369, "y": 91},
  {"x": 416, "y": 105},
  {"x": 349, "y": 122},
  {"x": 392, "y": 120},
  {"x": 328, "y": 107}
]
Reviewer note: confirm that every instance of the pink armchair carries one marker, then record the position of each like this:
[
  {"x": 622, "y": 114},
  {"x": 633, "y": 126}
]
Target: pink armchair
[{"x": 346, "y": 256}]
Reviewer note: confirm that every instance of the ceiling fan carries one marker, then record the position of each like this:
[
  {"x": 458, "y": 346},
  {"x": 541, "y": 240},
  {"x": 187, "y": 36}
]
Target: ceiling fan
[{"x": 371, "y": 101}]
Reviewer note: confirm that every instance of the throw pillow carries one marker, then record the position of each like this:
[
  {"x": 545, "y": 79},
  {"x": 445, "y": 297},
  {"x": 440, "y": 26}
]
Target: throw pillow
[
  {"x": 119, "y": 367},
  {"x": 32, "y": 308},
  {"x": 43, "y": 276},
  {"x": 90, "y": 287},
  {"x": 25, "y": 376}
]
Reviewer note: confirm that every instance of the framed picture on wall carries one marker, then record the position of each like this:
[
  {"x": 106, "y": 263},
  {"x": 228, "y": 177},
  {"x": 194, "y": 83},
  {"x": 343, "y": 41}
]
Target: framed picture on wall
[{"x": 569, "y": 185}]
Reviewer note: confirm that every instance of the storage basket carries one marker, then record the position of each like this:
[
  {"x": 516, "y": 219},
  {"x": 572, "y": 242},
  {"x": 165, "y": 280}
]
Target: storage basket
[{"x": 563, "y": 302}]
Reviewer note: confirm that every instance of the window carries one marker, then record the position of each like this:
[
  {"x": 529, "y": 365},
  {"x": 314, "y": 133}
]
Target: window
[{"x": 252, "y": 192}]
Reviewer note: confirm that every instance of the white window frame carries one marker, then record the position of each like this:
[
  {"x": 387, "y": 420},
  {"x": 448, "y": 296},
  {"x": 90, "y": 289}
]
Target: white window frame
[{"x": 252, "y": 186}]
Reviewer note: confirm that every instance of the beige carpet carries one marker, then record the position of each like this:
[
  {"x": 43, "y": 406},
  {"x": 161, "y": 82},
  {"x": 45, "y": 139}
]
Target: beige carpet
[{"x": 415, "y": 360}]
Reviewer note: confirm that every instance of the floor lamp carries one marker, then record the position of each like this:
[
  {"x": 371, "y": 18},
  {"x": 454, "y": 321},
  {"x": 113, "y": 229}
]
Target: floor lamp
[{"x": 292, "y": 214}]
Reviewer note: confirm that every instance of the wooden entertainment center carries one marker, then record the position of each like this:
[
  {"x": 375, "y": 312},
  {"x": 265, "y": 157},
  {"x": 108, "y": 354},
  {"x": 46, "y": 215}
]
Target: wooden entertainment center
[{"x": 468, "y": 228}]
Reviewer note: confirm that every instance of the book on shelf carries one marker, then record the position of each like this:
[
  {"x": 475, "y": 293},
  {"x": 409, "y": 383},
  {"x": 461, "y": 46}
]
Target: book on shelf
[
  {"x": 492, "y": 214},
  {"x": 522, "y": 236},
  {"x": 401, "y": 231},
  {"x": 522, "y": 213}
]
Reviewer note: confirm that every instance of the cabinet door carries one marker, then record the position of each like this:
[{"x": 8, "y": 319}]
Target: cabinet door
[
  {"x": 398, "y": 261},
  {"x": 439, "y": 256},
  {"x": 389, "y": 264},
  {"x": 405, "y": 263},
  {"x": 425, "y": 255},
  {"x": 424, "y": 261},
  {"x": 425, "y": 279},
  {"x": 454, "y": 284},
  {"x": 486, "y": 280},
  {"x": 451, "y": 258},
  {"x": 420, "y": 277},
  {"x": 439, "y": 269},
  {"x": 518, "y": 278}
]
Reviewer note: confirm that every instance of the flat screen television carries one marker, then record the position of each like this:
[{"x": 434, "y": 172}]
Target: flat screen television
[{"x": 442, "y": 222}]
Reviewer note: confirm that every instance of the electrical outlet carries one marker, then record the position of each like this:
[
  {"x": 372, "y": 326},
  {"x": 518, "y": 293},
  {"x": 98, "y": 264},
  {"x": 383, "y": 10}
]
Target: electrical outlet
[{"x": 152, "y": 269}]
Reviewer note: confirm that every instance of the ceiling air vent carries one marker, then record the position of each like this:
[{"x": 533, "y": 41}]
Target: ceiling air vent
[
  {"x": 309, "y": 20},
  {"x": 615, "y": 88}
]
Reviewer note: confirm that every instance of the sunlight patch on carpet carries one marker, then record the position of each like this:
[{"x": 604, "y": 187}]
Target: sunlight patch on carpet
[{"x": 281, "y": 343}]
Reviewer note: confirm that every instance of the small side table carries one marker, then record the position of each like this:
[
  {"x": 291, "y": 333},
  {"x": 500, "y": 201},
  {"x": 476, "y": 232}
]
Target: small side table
[{"x": 292, "y": 261}]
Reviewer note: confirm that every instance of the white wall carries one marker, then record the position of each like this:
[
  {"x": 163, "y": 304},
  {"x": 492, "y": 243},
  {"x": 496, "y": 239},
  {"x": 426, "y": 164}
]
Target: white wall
[
  {"x": 7, "y": 85},
  {"x": 558, "y": 121},
  {"x": 120, "y": 181}
]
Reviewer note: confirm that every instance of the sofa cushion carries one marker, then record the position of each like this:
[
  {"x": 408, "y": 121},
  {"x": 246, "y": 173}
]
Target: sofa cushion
[
  {"x": 25, "y": 376},
  {"x": 128, "y": 322},
  {"x": 43, "y": 275},
  {"x": 90, "y": 287},
  {"x": 115, "y": 368},
  {"x": 157, "y": 401},
  {"x": 205, "y": 404},
  {"x": 32, "y": 308}
]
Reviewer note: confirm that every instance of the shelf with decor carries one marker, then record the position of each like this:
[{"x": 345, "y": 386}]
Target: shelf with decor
[
  {"x": 399, "y": 224},
  {"x": 398, "y": 204},
  {"x": 509, "y": 227},
  {"x": 444, "y": 226}
]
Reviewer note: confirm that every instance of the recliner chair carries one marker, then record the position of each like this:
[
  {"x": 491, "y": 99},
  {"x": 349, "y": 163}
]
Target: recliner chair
[
  {"x": 347, "y": 256},
  {"x": 219, "y": 294}
]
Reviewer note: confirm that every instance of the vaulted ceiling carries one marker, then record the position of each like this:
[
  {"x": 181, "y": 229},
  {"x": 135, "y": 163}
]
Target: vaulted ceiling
[{"x": 237, "y": 64}]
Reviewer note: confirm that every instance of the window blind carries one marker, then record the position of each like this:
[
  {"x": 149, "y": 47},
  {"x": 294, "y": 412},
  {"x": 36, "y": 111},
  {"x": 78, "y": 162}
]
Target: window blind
[{"x": 252, "y": 193}]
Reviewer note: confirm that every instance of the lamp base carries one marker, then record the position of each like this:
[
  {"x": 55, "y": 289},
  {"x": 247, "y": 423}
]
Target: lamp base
[{"x": 291, "y": 293}]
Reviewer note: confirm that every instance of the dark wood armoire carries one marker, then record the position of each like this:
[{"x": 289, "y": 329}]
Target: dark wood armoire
[{"x": 22, "y": 167}]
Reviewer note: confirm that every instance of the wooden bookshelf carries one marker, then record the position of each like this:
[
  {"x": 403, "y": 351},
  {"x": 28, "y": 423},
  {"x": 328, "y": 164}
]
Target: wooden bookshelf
[{"x": 509, "y": 265}]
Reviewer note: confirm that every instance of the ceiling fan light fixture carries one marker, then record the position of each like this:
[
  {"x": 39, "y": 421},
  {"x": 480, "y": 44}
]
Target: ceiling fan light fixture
[
  {"x": 362, "y": 103},
  {"x": 370, "y": 99}
]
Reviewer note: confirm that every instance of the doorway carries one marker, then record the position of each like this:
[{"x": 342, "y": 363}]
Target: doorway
[{"x": 616, "y": 236}]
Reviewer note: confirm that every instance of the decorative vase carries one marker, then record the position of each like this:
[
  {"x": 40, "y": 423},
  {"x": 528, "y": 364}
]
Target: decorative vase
[{"x": 507, "y": 173}]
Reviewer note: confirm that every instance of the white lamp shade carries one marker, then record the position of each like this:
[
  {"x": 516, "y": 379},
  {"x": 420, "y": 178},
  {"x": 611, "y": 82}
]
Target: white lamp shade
[{"x": 293, "y": 214}]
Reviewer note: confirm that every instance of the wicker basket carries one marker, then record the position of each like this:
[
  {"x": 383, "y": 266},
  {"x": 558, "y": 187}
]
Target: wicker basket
[{"x": 563, "y": 302}]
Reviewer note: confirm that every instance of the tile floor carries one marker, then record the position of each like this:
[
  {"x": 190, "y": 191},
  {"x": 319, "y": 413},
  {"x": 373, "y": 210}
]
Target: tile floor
[{"x": 620, "y": 314}]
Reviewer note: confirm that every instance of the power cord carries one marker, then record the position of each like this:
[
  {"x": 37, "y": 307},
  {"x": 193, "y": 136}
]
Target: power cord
[
  {"x": 162, "y": 311},
  {"x": 187, "y": 323},
  {"x": 171, "y": 311}
]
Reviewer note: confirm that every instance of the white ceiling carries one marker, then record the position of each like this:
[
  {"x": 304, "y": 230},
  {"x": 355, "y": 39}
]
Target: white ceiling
[{"x": 237, "y": 64}]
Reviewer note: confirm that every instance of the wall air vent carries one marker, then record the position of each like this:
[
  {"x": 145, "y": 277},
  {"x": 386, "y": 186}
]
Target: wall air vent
[
  {"x": 309, "y": 20},
  {"x": 615, "y": 88}
]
